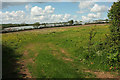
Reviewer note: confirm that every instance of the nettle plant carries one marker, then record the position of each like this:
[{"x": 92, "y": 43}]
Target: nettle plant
[{"x": 114, "y": 37}]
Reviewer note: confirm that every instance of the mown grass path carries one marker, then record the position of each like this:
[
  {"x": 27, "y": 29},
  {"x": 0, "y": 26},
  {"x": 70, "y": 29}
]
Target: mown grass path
[
  {"x": 61, "y": 54},
  {"x": 53, "y": 53}
]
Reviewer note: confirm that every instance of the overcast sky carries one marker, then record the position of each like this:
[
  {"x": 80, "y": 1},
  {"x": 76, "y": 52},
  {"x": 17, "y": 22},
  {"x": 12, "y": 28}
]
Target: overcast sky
[{"x": 30, "y": 12}]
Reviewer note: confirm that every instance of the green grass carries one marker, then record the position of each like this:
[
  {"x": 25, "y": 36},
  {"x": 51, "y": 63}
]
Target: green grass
[{"x": 56, "y": 52}]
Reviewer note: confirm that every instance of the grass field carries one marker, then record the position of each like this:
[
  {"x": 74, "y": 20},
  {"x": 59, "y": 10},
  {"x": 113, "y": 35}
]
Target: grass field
[{"x": 54, "y": 53}]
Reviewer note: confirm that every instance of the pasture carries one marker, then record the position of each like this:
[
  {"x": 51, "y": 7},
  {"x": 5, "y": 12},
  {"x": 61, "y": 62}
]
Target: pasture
[{"x": 54, "y": 53}]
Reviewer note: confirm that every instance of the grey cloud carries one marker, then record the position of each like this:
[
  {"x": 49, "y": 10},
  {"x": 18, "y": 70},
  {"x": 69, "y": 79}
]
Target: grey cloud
[
  {"x": 7, "y": 4},
  {"x": 58, "y": 0}
]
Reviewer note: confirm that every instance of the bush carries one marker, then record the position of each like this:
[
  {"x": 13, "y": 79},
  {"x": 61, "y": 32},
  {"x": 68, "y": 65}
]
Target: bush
[{"x": 113, "y": 40}]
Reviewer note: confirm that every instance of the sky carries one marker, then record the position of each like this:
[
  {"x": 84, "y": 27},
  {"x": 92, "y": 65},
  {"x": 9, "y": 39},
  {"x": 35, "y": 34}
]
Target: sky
[{"x": 50, "y": 12}]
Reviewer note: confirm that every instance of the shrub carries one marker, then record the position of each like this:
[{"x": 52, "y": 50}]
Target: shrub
[{"x": 113, "y": 40}]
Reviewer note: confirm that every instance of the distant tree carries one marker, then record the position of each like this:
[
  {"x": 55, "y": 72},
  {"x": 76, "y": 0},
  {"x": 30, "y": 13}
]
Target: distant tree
[
  {"x": 35, "y": 25},
  {"x": 71, "y": 22},
  {"x": 76, "y": 22},
  {"x": 23, "y": 24},
  {"x": 106, "y": 20},
  {"x": 44, "y": 24},
  {"x": 80, "y": 22}
]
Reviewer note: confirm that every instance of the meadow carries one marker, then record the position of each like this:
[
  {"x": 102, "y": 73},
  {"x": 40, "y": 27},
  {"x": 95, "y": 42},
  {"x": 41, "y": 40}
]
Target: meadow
[{"x": 54, "y": 53}]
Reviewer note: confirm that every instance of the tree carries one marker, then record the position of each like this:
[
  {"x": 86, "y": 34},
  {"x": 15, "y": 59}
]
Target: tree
[
  {"x": 35, "y": 25},
  {"x": 114, "y": 16},
  {"x": 80, "y": 22},
  {"x": 114, "y": 38},
  {"x": 71, "y": 22},
  {"x": 76, "y": 22},
  {"x": 106, "y": 20}
]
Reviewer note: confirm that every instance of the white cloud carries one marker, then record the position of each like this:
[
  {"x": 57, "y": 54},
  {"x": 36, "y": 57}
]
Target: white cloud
[
  {"x": 91, "y": 16},
  {"x": 80, "y": 11},
  {"x": 84, "y": 6},
  {"x": 49, "y": 9},
  {"x": 37, "y": 14},
  {"x": 27, "y": 7},
  {"x": 84, "y": 18},
  {"x": 99, "y": 8},
  {"x": 67, "y": 16},
  {"x": 37, "y": 11},
  {"x": 51, "y": 18},
  {"x": 109, "y": 8},
  {"x": 14, "y": 16},
  {"x": 47, "y": 15}
]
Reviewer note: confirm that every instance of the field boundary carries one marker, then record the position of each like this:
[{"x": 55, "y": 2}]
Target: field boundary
[{"x": 51, "y": 28}]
